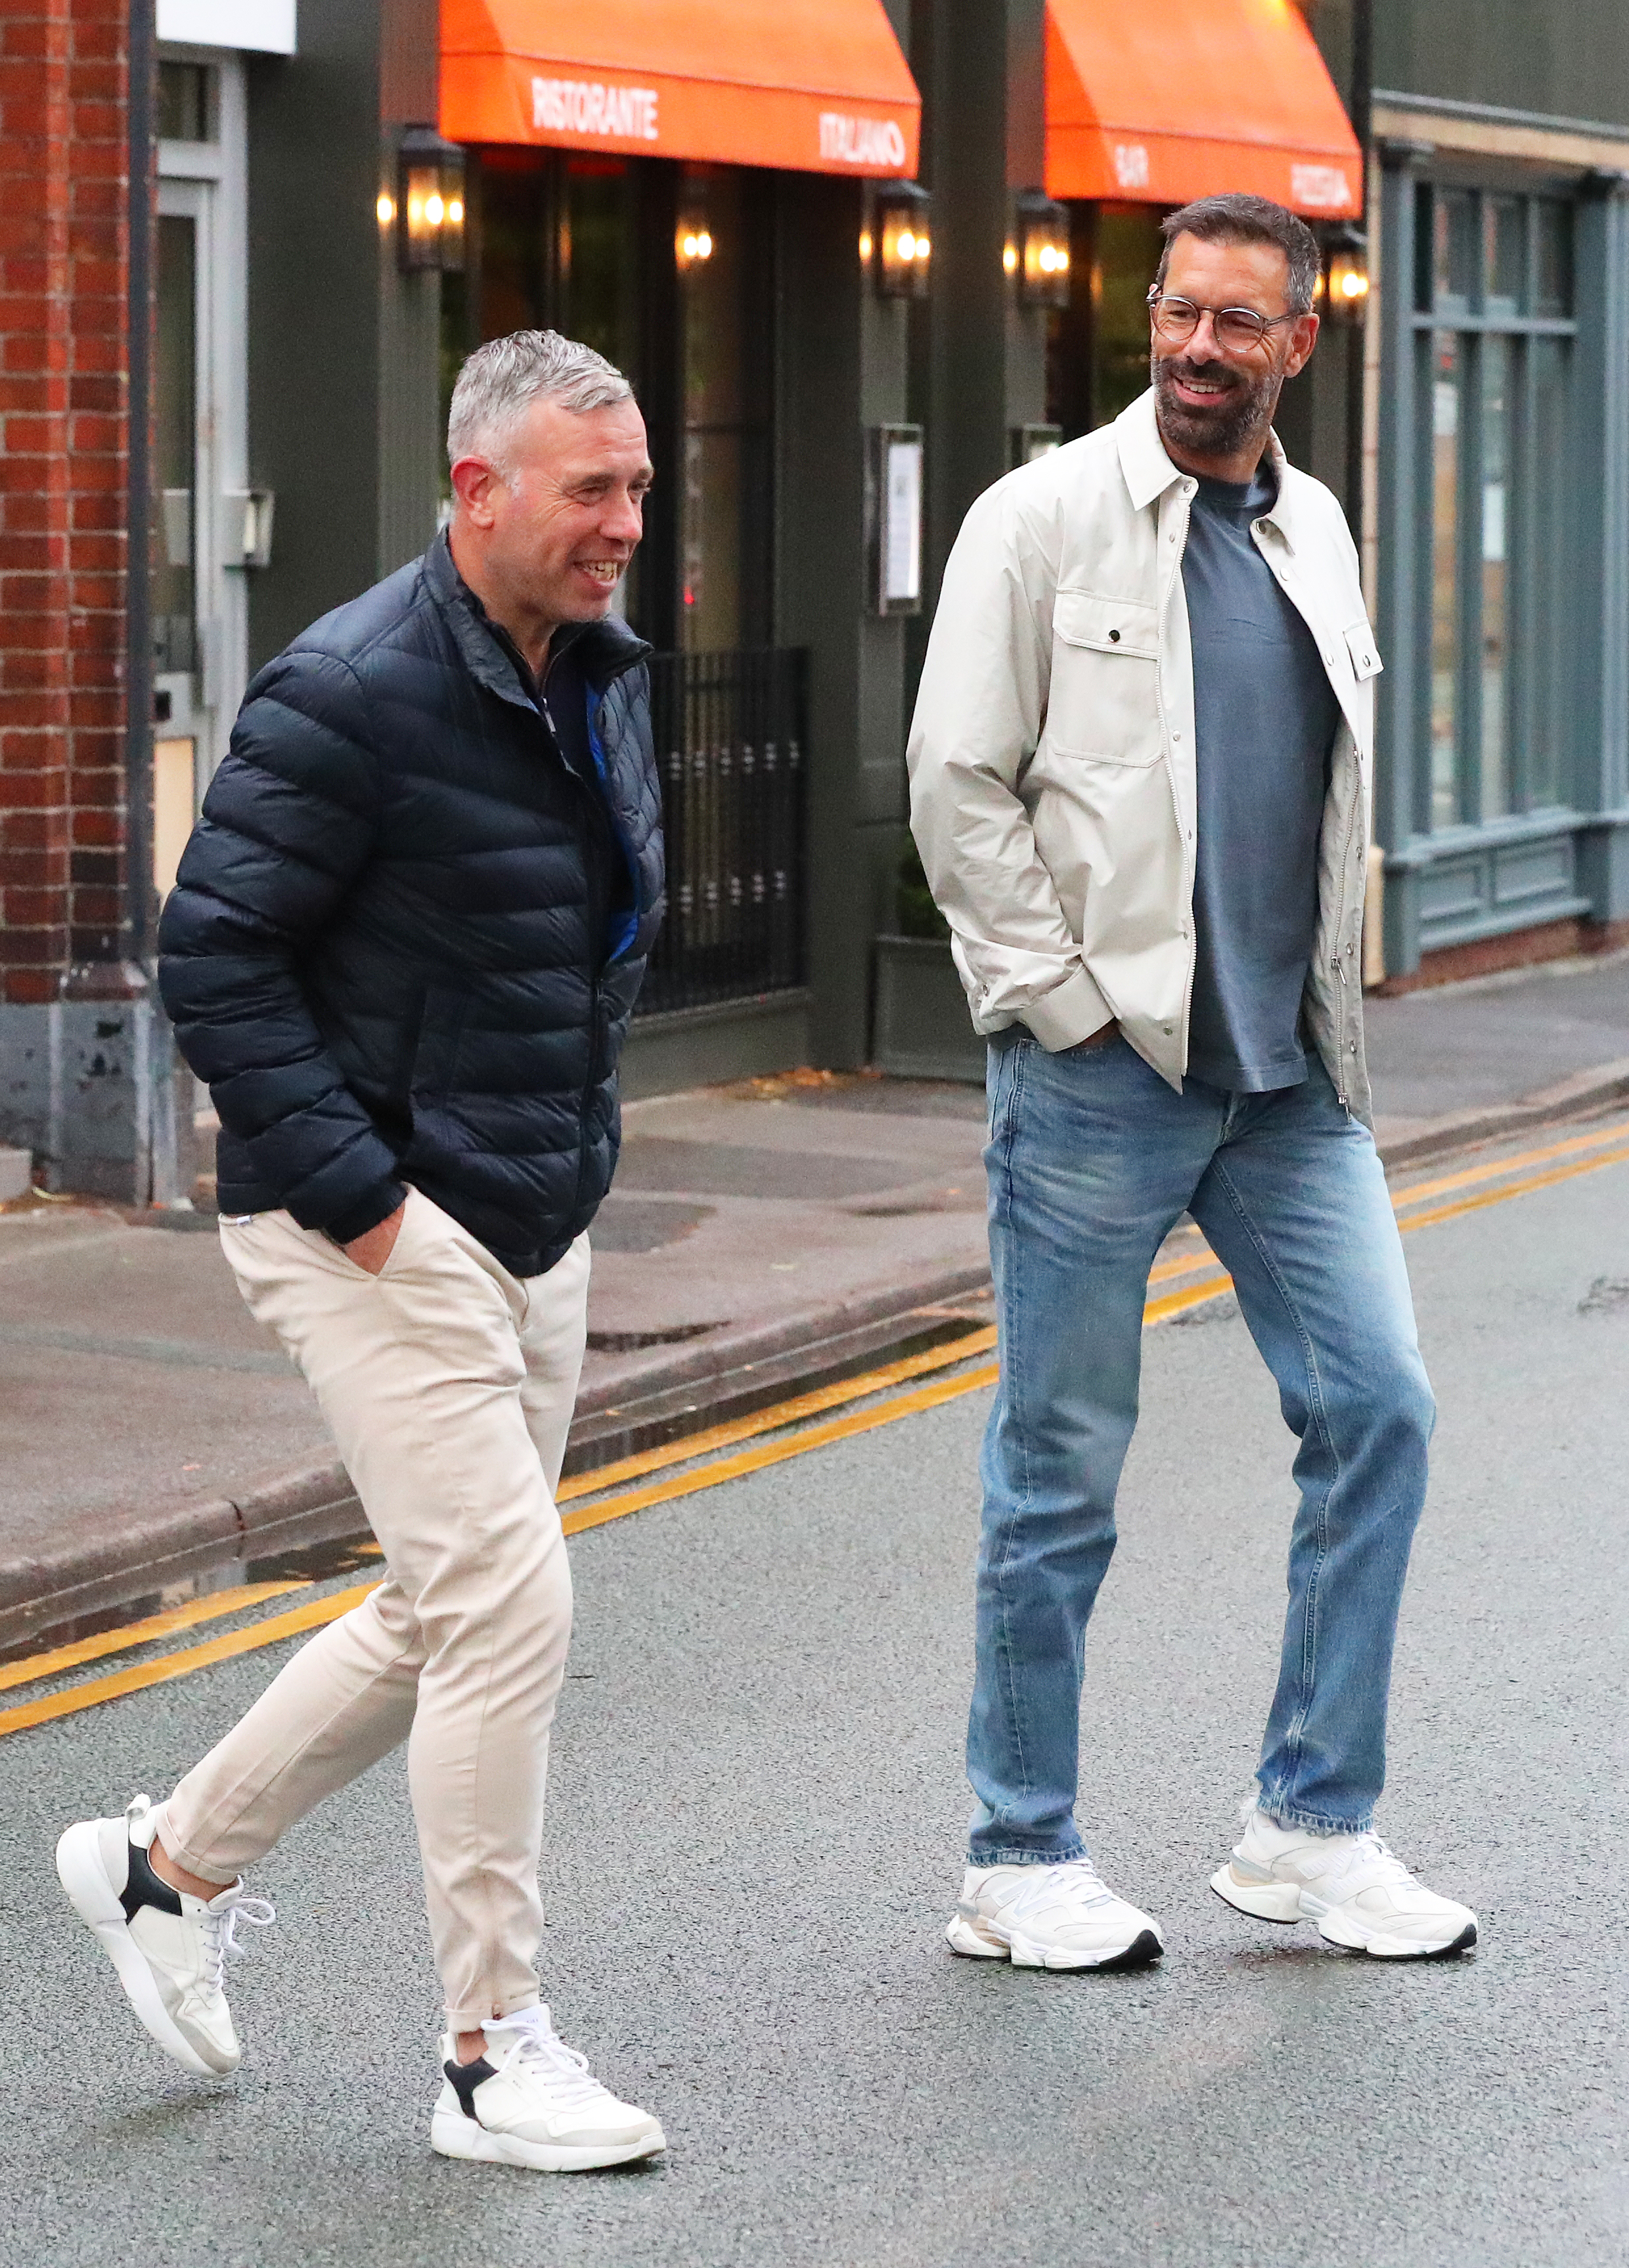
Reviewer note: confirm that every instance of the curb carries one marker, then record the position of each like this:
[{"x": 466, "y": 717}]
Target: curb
[
  {"x": 1570, "y": 1098},
  {"x": 640, "y": 1404}
]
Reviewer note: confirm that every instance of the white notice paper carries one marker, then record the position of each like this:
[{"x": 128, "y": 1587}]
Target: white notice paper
[{"x": 902, "y": 522}]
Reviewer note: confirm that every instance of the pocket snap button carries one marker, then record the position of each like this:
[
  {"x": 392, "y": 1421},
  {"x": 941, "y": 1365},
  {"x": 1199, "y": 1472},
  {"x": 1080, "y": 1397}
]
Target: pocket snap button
[{"x": 1114, "y": 637}]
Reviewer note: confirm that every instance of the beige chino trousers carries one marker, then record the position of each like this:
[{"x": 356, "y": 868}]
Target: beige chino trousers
[{"x": 448, "y": 1385}]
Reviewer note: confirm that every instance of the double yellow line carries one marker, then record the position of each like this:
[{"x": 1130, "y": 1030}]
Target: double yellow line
[{"x": 1471, "y": 1190}]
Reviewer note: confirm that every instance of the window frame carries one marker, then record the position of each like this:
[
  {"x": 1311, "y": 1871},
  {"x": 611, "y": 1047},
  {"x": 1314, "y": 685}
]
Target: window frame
[{"x": 1537, "y": 654}]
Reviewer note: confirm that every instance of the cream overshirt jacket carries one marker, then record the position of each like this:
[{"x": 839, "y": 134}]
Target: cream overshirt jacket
[{"x": 1052, "y": 753}]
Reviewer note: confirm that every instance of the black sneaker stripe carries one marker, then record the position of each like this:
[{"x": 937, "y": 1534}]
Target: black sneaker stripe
[
  {"x": 465, "y": 2078},
  {"x": 143, "y": 1888}
]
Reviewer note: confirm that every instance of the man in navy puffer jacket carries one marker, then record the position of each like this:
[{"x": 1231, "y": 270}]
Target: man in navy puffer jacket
[{"x": 403, "y": 949}]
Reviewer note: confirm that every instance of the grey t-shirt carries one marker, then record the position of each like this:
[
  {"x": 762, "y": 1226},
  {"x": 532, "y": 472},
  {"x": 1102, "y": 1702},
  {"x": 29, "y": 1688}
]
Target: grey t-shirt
[{"x": 1265, "y": 716}]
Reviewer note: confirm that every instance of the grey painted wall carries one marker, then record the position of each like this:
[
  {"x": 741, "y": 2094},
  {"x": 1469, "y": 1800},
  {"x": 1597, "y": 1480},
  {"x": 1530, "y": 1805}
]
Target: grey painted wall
[
  {"x": 342, "y": 350},
  {"x": 1569, "y": 57}
]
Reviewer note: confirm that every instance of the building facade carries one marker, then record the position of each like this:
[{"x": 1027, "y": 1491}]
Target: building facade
[
  {"x": 859, "y": 257},
  {"x": 1498, "y": 503}
]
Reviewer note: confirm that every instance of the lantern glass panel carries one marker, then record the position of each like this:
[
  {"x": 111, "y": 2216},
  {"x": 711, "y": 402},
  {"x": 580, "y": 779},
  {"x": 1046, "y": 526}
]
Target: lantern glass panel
[
  {"x": 452, "y": 216},
  {"x": 421, "y": 213},
  {"x": 905, "y": 248}
]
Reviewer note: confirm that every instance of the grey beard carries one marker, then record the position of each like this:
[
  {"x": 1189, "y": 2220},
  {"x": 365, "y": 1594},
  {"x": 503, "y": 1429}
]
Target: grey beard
[{"x": 1239, "y": 418}]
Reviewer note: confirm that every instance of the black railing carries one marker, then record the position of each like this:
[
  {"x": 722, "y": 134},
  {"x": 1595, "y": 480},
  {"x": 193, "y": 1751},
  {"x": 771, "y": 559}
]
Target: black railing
[{"x": 729, "y": 749}]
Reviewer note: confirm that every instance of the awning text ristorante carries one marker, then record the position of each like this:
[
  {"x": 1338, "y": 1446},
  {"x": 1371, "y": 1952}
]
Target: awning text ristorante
[
  {"x": 1159, "y": 104},
  {"x": 812, "y": 85}
]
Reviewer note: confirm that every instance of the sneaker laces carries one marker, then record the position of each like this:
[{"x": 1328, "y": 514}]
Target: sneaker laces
[
  {"x": 1369, "y": 1865},
  {"x": 539, "y": 2048},
  {"x": 1072, "y": 1881},
  {"x": 220, "y": 1931}
]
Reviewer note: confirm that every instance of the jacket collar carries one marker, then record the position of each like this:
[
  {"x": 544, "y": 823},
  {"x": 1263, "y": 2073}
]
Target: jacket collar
[
  {"x": 1149, "y": 472},
  {"x": 604, "y": 650}
]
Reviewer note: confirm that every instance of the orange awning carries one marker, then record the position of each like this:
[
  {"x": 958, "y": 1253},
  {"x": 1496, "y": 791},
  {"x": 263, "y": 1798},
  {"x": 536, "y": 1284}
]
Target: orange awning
[
  {"x": 1157, "y": 104},
  {"x": 817, "y": 86}
]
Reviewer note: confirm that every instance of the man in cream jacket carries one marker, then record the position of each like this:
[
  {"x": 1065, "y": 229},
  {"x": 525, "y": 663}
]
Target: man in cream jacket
[{"x": 1140, "y": 770}]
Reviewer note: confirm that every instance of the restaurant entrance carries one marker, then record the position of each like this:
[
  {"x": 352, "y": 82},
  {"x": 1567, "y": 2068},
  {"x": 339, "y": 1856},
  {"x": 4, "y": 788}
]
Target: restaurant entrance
[{"x": 667, "y": 268}]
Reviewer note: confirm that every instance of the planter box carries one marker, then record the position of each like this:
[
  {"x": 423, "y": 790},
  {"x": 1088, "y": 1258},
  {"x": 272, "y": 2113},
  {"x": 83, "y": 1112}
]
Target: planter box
[{"x": 920, "y": 1026}]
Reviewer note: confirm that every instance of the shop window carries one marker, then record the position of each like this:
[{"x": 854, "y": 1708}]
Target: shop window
[
  {"x": 596, "y": 258},
  {"x": 1494, "y": 341},
  {"x": 724, "y": 523},
  {"x": 1097, "y": 346}
]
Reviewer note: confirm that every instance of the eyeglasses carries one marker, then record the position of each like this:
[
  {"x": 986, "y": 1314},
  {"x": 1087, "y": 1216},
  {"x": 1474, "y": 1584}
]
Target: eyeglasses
[{"x": 1236, "y": 328}]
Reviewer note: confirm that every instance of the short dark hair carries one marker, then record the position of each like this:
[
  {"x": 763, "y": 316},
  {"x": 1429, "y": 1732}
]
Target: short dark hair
[{"x": 1238, "y": 219}]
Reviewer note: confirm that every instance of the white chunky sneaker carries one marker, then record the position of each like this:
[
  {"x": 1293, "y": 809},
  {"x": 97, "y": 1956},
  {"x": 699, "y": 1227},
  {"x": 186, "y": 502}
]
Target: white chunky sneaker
[
  {"x": 532, "y": 2100},
  {"x": 1350, "y": 1885},
  {"x": 1058, "y": 1917},
  {"x": 169, "y": 1947}
]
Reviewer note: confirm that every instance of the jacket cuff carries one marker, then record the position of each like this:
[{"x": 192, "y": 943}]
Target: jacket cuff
[
  {"x": 367, "y": 1211},
  {"x": 1070, "y": 1013}
]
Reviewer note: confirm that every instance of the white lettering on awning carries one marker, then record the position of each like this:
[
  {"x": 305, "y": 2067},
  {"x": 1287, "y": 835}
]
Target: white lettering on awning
[
  {"x": 1324, "y": 188},
  {"x": 860, "y": 141},
  {"x": 576, "y": 106},
  {"x": 1131, "y": 164}
]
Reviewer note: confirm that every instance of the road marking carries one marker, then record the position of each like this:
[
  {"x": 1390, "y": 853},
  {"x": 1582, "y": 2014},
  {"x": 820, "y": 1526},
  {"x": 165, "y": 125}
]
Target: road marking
[
  {"x": 906, "y": 1405},
  {"x": 317, "y": 1612},
  {"x": 1491, "y": 1169},
  {"x": 771, "y": 1418},
  {"x": 1514, "y": 1189},
  {"x": 209, "y": 1609},
  {"x": 159, "y": 1671}
]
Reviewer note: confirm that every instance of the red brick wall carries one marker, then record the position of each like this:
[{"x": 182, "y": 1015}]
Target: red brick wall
[{"x": 63, "y": 160}]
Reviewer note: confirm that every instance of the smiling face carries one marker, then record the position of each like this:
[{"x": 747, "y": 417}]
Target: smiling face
[
  {"x": 545, "y": 526},
  {"x": 1215, "y": 404}
]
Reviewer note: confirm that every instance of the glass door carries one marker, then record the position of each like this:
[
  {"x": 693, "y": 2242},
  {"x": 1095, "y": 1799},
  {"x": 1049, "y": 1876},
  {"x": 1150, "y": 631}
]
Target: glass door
[
  {"x": 200, "y": 608},
  {"x": 182, "y": 475}
]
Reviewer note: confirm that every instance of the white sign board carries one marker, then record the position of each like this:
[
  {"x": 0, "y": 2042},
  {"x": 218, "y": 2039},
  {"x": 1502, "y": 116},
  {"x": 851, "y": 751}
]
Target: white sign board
[
  {"x": 897, "y": 520},
  {"x": 266, "y": 27},
  {"x": 902, "y": 523}
]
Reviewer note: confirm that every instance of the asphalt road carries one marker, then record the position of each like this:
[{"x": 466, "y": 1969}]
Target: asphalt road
[{"x": 754, "y": 1840}]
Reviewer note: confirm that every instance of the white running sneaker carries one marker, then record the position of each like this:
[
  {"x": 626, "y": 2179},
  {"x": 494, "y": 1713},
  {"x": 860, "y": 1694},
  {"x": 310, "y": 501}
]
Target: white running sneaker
[
  {"x": 1350, "y": 1885},
  {"x": 1058, "y": 1917},
  {"x": 169, "y": 1947},
  {"x": 532, "y": 2100}
]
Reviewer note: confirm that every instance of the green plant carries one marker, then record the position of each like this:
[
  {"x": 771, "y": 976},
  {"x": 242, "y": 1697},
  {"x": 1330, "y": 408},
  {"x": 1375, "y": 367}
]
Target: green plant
[{"x": 914, "y": 907}]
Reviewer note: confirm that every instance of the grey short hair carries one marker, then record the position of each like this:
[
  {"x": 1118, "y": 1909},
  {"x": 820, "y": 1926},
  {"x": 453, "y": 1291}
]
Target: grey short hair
[
  {"x": 1238, "y": 219},
  {"x": 500, "y": 382}
]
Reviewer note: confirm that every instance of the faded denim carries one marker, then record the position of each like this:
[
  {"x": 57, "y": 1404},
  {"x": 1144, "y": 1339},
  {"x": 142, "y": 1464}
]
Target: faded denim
[{"x": 1092, "y": 1159}]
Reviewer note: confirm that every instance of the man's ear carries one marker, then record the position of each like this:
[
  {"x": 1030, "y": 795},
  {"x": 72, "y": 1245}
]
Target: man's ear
[
  {"x": 1303, "y": 338},
  {"x": 473, "y": 483}
]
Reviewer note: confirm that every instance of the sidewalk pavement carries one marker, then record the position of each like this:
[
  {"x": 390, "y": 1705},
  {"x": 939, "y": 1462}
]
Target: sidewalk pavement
[{"x": 761, "y": 1238}]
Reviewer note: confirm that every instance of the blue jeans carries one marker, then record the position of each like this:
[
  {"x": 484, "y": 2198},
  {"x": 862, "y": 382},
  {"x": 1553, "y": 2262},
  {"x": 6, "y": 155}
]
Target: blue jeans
[{"x": 1092, "y": 1160}]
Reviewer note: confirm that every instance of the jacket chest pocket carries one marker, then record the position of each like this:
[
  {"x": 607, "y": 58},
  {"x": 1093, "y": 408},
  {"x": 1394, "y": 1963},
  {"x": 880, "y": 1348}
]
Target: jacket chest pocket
[{"x": 1104, "y": 703}]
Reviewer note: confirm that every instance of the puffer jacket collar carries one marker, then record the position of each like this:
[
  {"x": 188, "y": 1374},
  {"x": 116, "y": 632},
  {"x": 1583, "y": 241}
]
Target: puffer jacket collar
[{"x": 606, "y": 649}]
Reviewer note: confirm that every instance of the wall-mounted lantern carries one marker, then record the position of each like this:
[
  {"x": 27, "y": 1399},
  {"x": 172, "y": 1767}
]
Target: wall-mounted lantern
[
  {"x": 428, "y": 206},
  {"x": 896, "y": 244},
  {"x": 1345, "y": 274},
  {"x": 1039, "y": 255}
]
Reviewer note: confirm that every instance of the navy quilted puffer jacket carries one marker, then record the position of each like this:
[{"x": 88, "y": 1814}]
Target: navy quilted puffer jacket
[{"x": 386, "y": 953}]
